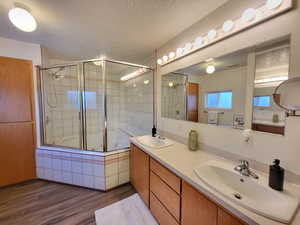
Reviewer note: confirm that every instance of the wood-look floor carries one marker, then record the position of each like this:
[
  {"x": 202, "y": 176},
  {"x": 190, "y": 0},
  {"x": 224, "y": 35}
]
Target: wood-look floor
[{"x": 45, "y": 203}]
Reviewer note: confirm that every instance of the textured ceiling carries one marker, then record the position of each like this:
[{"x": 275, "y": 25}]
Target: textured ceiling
[{"x": 121, "y": 29}]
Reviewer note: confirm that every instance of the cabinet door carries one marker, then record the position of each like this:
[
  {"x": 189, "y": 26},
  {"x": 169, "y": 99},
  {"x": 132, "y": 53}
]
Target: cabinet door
[
  {"x": 226, "y": 219},
  {"x": 140, "y": 168},
  {"x": 15, "y": 90},
  {"x": 197, "y": 209}
]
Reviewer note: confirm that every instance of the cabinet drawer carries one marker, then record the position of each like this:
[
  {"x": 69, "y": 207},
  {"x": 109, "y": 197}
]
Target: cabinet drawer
[
  {"x": 160, "y": 212},
  {"x": 166, "y": 195},
  {"x": 166, "y": 175}
]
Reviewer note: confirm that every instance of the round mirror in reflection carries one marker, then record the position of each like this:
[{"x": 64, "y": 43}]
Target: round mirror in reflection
[{"x": 286, "y": 95}]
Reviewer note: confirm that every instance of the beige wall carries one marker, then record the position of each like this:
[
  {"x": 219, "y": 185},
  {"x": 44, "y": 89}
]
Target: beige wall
[
  {"x": 28, "y": 51},
  {"x": 263, "y": 147}
]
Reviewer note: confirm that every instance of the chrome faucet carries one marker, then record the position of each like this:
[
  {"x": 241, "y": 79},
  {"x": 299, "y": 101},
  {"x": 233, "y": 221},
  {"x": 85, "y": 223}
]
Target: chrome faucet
[{"x": 244, "y": 169}]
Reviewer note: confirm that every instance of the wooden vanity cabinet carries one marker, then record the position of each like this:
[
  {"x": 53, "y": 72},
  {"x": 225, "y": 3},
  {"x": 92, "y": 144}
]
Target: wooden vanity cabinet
[
  {"x": 196, "y": 209},
  {"x": 139, "y": 172},
  {"x": 171, "y": 200}
]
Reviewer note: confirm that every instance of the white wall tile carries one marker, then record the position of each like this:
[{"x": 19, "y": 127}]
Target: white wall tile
[
  {"x": 99, "y": 183},
  {"x": 48, "y": 174},
  {"x": 77, "y": 179},
  {"x": 40, "y": 172},
  {"x": 88, "y": 181},
  {"x": 112, "y": 181},
  {"x": 67, "y": 177},
  {"x": 124, "y": 177}
]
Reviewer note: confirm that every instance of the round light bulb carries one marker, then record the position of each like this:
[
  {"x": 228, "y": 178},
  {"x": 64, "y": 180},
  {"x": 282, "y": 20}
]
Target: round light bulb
[
  {"x": 212, "y": 34},
  {"x": 22, "y": 19},
  {"x": 165, "y": 58},
  {"x": 146, "y": 82},
  {"x": 248, "y": 15},
  {"x": 179, "y": 52},
  {"x": 228, "y": 26},
  {"x": 199, "y": 42},
  {"x": 171, "y": 55},
  {"x": 187, "y": 48},
  {"x": 171, "y": 84},
  {"x": 159, "y": 61},
  {"x": 210, "y": 69},
  {"x": 273, "y": 4}
]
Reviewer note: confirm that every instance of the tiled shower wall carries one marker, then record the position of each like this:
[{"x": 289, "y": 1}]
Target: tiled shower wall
[{"x": 101, "y": 172}]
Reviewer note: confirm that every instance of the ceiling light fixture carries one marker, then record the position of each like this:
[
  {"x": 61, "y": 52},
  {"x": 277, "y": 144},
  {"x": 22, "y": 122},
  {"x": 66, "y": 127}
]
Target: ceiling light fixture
[
  {"x": 146, "y": 82},
  {"x": 171, "y": 84},
  {"x": 228, "y": 26},
  {"x": 210, "y": 69},
  {"x": 273, "y": 79},
  {"x": 134, "y": 74},
  {"x": 273, "y": 4},
  {"x": 22, "y": 19},
  {"x": 248, "y": 15}
]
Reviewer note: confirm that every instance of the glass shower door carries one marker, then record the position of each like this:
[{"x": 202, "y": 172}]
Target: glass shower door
[
  {"x": 93, "y": 95},
  {"x": 61, "y": 101}
]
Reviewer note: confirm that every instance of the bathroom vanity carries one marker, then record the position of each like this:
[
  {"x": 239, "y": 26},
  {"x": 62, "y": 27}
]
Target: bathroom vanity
[{"x": 165, "y": 180}]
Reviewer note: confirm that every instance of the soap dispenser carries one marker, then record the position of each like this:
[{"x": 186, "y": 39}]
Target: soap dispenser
[{"x": 276, "y": 176}]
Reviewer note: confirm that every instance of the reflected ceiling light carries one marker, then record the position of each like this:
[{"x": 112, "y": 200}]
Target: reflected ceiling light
[
  {"x": 98, "y": 63},
  {"x": 187, "y": 47},
  {"x": 248, "y": 15},
  {"x": 159, "y": 61},
  {"x": 228, "y": 26},
  {"x": 273, "y": 4},
  {"x": 133, "y": 74},
  {"x": 171, "y": 55},
  {"x": 210, "y": 69},
  {"x": 22, "y": 19},
  {"x": 212, "y": 34},
  {"x": 165, "y": 58},
  {"x": 134, "y": 85},
  {"x": 171, "y": 84},
  {"x": 146, "y": 82},
  {"x": 199, "y": 42}
]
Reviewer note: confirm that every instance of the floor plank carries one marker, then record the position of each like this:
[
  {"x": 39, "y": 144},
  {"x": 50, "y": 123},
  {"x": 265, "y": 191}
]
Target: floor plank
[{"x": 46, "y": 203}]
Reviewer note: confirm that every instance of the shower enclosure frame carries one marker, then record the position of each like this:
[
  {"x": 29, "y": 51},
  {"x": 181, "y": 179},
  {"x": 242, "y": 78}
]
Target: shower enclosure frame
[{"x": 81, "y": 74}]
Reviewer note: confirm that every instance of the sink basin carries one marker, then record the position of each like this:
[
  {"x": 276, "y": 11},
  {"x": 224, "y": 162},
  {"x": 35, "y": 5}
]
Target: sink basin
[
  {"x": 154, "y": 142},
  {"x": 252, "y": 194}
]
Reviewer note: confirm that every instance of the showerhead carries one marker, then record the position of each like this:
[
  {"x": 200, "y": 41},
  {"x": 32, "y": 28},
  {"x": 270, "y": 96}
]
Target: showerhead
[{"x": 57, "y": 76}]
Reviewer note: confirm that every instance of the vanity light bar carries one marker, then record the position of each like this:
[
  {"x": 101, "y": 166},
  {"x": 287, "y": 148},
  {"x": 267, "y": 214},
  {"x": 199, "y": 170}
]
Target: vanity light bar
[
  {"x": 268, "y": 80},
  {"x": 134, "y": 74},
  {"x": 250, "y": 17}
]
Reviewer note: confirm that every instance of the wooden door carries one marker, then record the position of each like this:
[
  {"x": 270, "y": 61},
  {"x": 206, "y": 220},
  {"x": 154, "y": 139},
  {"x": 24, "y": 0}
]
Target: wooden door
[
  {"x": 192, "y": 102},
  {"x": 17, "y": 127},
  {"x": 196, "y": 209},
  {"x": 140, "y": 169}
]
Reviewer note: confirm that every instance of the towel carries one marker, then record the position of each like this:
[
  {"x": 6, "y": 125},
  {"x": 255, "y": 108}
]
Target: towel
[{"x": 212, "y": 117}]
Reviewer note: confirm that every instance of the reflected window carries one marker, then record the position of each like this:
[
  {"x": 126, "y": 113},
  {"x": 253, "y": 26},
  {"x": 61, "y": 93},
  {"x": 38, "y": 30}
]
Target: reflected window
[
  {"x": 221, "y": 100},
  {"x": 262, "y": 101}
]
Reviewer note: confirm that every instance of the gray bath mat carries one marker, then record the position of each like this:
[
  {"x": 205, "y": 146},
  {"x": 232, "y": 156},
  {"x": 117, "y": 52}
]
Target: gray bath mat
[{"x": 129, "y": 211}]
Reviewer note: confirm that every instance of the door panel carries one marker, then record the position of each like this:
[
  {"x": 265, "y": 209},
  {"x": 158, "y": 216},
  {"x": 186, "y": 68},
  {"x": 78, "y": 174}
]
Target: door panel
[
  {"x": 17, "y": 126},
  {"x": 15, "y": 90},
  {"x": 192, "y": 102},
  {"x": 17, "y": 153}
]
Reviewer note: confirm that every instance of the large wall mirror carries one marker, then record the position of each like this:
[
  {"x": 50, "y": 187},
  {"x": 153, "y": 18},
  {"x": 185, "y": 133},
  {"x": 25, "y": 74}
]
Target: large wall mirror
[{"x": 216, "y": 91}]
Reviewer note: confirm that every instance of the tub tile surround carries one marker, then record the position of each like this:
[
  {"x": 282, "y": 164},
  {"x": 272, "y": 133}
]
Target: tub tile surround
[
  {"x": 181, "y": 161},
  {"x": 101, "y": 172}
]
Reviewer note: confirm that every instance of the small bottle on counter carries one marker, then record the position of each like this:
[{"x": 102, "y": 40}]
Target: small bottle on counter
[
  {"x": 193, "y": 140},
  {"x": 276, "y": 176}
]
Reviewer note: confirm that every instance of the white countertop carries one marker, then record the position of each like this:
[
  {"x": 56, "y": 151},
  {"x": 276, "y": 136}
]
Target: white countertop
[{"x": 181, "y": 161}]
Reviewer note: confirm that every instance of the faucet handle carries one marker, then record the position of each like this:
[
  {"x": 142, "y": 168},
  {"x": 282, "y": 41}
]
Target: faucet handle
[{"x": 244, "y": 163}]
